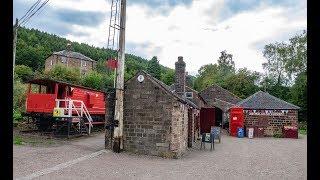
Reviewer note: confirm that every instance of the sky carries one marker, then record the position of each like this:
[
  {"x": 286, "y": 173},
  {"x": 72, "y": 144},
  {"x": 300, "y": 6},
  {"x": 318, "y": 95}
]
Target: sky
[{"x": 198, "y": 30}]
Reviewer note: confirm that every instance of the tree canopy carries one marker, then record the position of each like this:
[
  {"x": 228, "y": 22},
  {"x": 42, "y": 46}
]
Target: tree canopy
[{"x": 154, "y": 68}]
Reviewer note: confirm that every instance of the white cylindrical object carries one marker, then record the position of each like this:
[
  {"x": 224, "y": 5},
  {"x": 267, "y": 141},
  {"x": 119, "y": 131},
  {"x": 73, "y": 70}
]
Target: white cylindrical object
[{"x": 250, "y": 133}]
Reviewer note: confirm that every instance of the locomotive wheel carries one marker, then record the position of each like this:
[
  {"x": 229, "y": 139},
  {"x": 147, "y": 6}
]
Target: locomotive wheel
[{"x": 44, "y": 123}]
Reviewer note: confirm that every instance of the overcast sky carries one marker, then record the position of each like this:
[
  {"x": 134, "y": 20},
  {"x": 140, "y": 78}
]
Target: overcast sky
[{"x": 198, "y": 30}]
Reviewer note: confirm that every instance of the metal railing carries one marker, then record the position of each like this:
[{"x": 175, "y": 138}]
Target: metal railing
[{"x": 74, "y": 107}]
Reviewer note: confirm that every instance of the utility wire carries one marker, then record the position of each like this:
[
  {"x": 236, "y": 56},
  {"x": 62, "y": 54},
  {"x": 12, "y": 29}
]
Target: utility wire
[
  {"x": 39, "y": 12},
  {"x": 30, "y": 15},
  {"x": 28, "y": 18},
  {"x": 30, "y": 9}
]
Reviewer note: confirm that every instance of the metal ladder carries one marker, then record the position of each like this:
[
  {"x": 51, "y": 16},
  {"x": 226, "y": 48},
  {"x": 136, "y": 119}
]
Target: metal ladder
[
  {"x": 114, "y": 23},
  {"x": 75, "y": 107}
]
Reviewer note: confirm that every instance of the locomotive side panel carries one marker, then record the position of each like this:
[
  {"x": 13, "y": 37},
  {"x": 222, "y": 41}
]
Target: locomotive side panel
[{"x": 94, "y": 101}]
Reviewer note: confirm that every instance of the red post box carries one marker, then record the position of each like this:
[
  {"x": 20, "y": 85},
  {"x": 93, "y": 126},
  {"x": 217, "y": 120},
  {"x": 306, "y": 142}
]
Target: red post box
[{"x": 236, "y": 120}]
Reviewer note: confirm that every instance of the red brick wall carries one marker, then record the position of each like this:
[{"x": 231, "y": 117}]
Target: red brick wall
[{"x": 275, "y": 122}]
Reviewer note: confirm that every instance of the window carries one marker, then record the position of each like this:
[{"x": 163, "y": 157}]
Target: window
[
  {"x": 63, "y": 59},
  {"x": 83, "y": 63},
  {"x": 189, "y": 95},
  {"x": 51, "y": 62}
]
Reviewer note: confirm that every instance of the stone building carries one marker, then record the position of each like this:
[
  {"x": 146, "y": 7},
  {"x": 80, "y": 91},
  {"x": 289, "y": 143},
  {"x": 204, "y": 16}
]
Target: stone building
[
  {"x": 70, "y": 59},
  {"x": 155, "y": 118},
  {"x": 221, "y": 99},
  {"x": 268, "y": 112}
]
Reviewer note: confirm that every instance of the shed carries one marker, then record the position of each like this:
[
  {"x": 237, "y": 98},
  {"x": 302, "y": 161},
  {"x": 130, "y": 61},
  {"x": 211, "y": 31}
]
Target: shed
[
  {"x": 155, "y": 118},
  {"x": 266, "y": 111}
]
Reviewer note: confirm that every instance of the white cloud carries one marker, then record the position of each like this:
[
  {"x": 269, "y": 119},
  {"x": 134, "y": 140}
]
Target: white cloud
[
  {"x": 82, "y": 5},
  {"x": 196, "y": 31}
]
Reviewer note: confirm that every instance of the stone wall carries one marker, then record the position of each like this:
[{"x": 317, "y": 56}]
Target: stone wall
[
  {"x": 179, "y": 129},
  {"x": 274, "y": 123},
  {"x": 69, "y": 62},
  {"x": 155, "y": 123}
]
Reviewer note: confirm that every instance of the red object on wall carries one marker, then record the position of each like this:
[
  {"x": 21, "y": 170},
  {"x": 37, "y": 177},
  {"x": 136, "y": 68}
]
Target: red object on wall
[
  {"x": 290, "y": 132},
  {"x": 207, "y": 119},
  {"x": 112, "y": 63},
  {"x": 236, "y": 120}
]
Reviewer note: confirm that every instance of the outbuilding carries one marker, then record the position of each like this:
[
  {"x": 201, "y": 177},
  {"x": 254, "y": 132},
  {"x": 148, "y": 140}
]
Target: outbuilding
[
  {"x": 157, "y": 121},
  {"x": 268, "y": 113}
]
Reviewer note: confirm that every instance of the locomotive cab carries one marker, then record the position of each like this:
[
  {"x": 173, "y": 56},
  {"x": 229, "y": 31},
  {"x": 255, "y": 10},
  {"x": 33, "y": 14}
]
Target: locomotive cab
[{"x": 43, "y": 95}]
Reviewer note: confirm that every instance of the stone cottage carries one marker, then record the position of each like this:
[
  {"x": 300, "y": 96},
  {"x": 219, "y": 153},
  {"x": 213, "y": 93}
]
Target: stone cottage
[
  {"x": 157, "y": 120},
  {"x": 221, "y": 99},
  {"x": 268, "y": 112},
  {"x": 70, "y": 59}
]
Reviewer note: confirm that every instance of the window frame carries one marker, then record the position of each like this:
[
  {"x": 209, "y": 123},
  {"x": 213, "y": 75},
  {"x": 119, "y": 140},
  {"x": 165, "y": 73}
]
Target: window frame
[{"x": 190, "y": 97}]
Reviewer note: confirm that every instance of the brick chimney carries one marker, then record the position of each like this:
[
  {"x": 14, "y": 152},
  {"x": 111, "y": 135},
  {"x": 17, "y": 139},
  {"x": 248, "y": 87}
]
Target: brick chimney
[
  {"x": 180, "y": 76},
  {"x": 69, "y": 47}
]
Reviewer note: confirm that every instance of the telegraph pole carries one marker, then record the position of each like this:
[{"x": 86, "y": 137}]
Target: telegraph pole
[
  {"x": 118, "y": 131},
  {"x": 15, "y": 32}
]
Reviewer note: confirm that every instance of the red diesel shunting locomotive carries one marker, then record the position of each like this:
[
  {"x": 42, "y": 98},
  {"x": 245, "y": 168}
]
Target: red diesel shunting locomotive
[{"x": 41, "y": 104}]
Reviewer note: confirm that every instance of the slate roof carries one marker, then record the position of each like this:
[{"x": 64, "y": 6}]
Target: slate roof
[
  {"x": 223, "y": 105},
  {"x": 168, "y": 90},
  {"x": 172, "y": 88},
  {"x": 216, "y": 92},
  {"x": 263, "y": 100},
  {"x": 72, "y": 54}
]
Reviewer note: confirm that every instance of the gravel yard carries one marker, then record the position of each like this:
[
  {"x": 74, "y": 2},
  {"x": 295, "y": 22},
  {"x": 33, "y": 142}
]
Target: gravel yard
[{"x": 233, "y": 158}]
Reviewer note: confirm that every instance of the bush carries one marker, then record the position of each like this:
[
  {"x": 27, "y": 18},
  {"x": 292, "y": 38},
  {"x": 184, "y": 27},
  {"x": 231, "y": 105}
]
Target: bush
[
  {"x": 93, "y": 80},
  {"x": 19, "y": 95},
  {"x": 303, "y": 125},
  {"x": 278, "y": 135},
  {"x": 23, "y": 72},
  {"x": 63, "y": 73},
  {"x": 17, "y": 140},
  {"x": 17, "y": 115}
]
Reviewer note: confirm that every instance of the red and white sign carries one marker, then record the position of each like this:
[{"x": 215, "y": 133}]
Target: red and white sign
[{"x": 112, "y": 63}]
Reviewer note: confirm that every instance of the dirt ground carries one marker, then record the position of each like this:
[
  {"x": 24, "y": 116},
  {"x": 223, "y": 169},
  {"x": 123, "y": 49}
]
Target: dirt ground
[{"x": 233, "y": 158}]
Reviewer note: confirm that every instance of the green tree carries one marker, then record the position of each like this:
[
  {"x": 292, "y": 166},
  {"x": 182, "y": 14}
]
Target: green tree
[
  {"x": 299, "y": 95},
  {"x": 243, "y": 84},
  {"x": 284, "y": 61},
  {"x": 63, "y": 73},
  {"x": 93, "y": 80},
  {"x": 276, "y": 55},
  {"x": 226, "y": 64},
  {"x": 19, "y": 98},
  {"x": 154, "y": 67},
  {"x": 168, "y": 77},
  {"x": 296, "y": 61},
  {"x": 23, "y": 72},
  {"x": 215, "y": 73}
]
